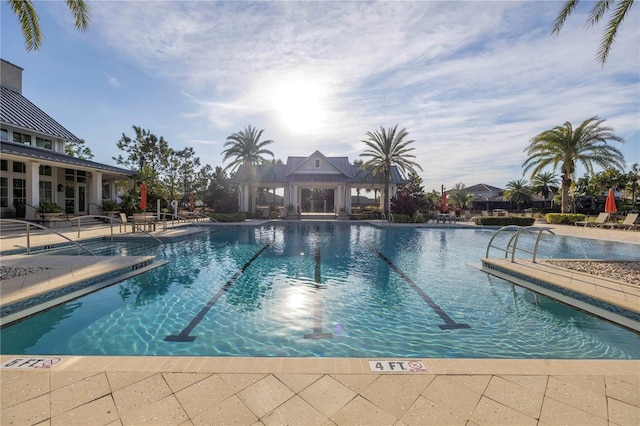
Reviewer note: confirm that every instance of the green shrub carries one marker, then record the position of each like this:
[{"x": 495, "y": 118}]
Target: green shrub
[
  {"x": 564, "y": 218},
  {"x": 228, "y": 217},
  {"x": 49, "y": 208},
  {"x": 503, "y": 221},
  {"x": 402, "y": 218}
]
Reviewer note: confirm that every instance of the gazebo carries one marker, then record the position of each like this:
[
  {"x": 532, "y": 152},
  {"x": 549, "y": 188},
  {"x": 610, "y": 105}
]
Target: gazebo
[{"x": 300, "y": 175}]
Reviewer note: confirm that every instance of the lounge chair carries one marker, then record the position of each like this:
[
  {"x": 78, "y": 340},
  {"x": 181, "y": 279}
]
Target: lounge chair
[
  {"x": 629, "y": 222},
  {"x": 600, "y": 220}
]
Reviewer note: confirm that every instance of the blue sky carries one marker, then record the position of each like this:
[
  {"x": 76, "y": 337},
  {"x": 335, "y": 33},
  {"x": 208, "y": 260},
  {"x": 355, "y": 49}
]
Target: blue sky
[{"x": 472, "y": 82}]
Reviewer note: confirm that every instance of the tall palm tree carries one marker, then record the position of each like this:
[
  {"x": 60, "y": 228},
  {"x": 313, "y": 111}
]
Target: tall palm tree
[
  {"x": 517, "y": 191},
  {"x": 544, "y": 183},
  {"x": 246, "y": 150},
  {"x": 26, "y": 13},
  {"x": 385, "y": 149},
  {"x": 619, "y": 9},
  {"x": 564, "y": 145}
]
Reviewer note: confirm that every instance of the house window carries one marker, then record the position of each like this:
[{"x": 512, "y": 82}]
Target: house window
[
  {"x": 4, "y": 134},
  {"x": 4, "y": 165},
  {"x": 4, "y": 192},
  {"x": 46, "y": 192},
  {"x": 20, "y": 190},
  {"x": 46, "y": 171},
  {"x": 19, "y": 167},
  {"x": 22, "y": 138},
  {"x": 44, "y": 143},
  {"x": 317, "y": 164},
  {"x": 82, "y": 176}
]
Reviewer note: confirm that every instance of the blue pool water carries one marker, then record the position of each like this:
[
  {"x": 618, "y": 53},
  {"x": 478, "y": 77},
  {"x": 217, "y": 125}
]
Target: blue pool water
[{"x": 330, "y": 290}]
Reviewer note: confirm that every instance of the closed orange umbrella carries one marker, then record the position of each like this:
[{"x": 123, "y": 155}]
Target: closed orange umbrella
[
  {"x": 191, "y": 201},
  {"x": 610, "y": 204},
  {"x": 445, "y": 206},
  {"x": 143, "y": 196}
]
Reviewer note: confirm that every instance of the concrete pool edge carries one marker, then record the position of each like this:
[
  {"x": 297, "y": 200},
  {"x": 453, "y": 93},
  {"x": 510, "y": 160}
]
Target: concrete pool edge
[
  {"x": 319, "y": 365},
  {"x": 605, "y": 298}
]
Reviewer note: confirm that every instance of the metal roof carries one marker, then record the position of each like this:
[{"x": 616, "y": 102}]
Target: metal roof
[
  {"x": 59, "y": 159},
  {"x": 349, "y": 173},
  {"x": 18, "y": 111}
]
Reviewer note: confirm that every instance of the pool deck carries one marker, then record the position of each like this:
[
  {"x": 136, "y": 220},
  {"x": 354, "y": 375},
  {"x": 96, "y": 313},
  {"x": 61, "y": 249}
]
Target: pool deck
[{"x": 308, "y": 391}]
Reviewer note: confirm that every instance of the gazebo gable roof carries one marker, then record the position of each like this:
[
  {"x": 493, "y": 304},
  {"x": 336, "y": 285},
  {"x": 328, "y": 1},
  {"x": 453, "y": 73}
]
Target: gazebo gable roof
[{"x": 317, "y": 164}]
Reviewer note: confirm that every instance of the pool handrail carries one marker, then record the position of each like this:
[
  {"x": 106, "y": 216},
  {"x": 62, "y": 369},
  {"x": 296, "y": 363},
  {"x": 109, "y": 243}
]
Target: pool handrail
[
  {"x": 46, "y": 228},
  {"x": 512, "y": 245}
]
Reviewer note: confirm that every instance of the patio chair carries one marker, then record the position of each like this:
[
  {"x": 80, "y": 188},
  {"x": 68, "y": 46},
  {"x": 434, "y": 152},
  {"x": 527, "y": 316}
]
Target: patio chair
[
  {"x": 123, "y": 221},
  {"x": 600, "y": 220},
  {"x": 629, "y": 222}
]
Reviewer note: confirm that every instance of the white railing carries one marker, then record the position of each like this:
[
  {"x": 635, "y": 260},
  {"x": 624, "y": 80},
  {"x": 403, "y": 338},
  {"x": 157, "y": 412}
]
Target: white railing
[{"x": 512, "y": 245}]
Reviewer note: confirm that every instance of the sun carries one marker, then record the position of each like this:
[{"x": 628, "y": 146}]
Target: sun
[{"x": 300, "y": 102}]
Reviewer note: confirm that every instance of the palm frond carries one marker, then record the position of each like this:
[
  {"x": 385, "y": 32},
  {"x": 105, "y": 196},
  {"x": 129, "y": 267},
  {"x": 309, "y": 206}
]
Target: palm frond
[
  {"x": 29, "y": 23},
  {"x": 612, "y": 29},
  {"x": 563, "y": 15},
  {"x": 80, "y": 11}
]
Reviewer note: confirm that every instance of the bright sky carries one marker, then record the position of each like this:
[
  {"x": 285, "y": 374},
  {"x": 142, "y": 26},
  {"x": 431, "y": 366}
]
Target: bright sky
[{"x": 472, "y": 82}]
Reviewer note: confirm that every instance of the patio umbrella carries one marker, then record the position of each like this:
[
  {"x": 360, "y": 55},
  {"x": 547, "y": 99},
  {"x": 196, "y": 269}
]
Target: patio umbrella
[
  {"x": 445, "y": 206},
  {"x": 610, "y": 205},
  {"x": 143, "y": 196},
  {"x": 191, "y": 201}
]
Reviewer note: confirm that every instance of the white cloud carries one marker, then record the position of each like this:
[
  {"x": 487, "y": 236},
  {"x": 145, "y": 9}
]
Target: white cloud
[{"x": 471, "y": 81}]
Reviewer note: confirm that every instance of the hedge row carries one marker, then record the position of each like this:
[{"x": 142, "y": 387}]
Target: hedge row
[
  {"x": 503, "y": 221},
  {"x": 564, "y": 218},
  {"x": 228, "y": 217}
]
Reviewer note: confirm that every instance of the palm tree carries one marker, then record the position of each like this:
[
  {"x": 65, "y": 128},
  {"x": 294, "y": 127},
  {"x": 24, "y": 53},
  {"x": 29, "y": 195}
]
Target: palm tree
[
  {"x": 586, "y": 144},
  {"x": 599, "y": 9},
  {"x": 544, "y": 183},
  {"x": 387, "y": 148},
  {"x": 26, "y": 13},
  {"x": 517, "y": 191},
  {"x": 247, "y": 151}
]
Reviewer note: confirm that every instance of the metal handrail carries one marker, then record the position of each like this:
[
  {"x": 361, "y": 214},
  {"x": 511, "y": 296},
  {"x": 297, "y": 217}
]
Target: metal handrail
[
  {"x": 512, "y": 244},
  {"x": 46, "y": 228}
]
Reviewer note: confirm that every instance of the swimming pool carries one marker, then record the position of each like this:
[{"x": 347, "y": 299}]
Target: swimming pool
[{"x": 330, "y": 290}]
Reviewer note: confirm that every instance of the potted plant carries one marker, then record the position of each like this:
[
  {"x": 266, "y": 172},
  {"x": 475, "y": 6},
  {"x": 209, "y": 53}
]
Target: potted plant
[
  {"x": 291, "y": 212},
  {"x": 110, "y": 207},
  {"x": 48, "y": 210}
]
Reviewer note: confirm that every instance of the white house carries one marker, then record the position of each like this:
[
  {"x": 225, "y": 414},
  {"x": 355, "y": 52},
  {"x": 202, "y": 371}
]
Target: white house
[{"x": 34, "y": 168}]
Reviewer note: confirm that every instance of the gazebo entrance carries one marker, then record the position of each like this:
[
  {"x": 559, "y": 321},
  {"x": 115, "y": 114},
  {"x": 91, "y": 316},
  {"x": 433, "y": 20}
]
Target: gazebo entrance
[{"x": 317, "y": 200}]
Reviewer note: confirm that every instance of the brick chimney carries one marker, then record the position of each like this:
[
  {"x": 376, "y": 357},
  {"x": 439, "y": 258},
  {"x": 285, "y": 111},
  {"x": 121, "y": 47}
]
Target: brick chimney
[{"x": 10, "y": 76}]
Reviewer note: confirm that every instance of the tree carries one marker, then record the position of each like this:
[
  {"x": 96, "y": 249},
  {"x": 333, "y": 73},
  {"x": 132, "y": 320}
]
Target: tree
[
  {"x": 78, "y": 150},
  {"x": 26, "y": 13},
  {"x": 633, "y": 184},
  {"x": 385, "y": 149},
  {"x": 544, "y": 183},
  {"x": 145, "y": 149},
  {"x": 619, "y": 9},
  {"x": 564, "y": 145},
  {"x": 459, "y": 197},
  {"x": 517, "y": 191},
  {"x": 246, "y": 150},
  {"x": 188, "y": 164}
]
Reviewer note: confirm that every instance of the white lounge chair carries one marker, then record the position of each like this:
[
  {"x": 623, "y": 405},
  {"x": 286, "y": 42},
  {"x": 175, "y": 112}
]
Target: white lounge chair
[
  {"x": 600, "y": 220},
  {"x": 629, "y": 222}
]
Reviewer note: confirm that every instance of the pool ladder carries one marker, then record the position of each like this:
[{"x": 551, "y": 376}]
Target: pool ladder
[
  {"x": 384, "y": 217},
  {"x": 512, "y": 245}
]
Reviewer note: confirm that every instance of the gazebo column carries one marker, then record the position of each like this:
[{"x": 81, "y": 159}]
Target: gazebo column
[{"x": 243, "y": 197}]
